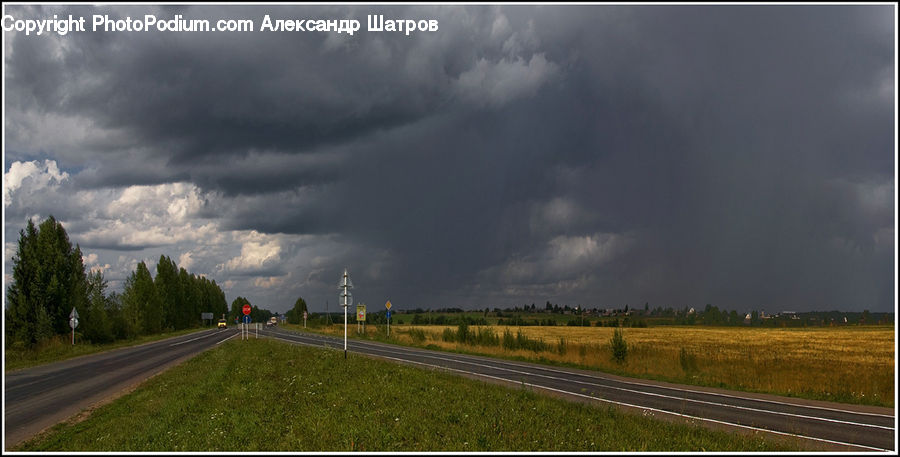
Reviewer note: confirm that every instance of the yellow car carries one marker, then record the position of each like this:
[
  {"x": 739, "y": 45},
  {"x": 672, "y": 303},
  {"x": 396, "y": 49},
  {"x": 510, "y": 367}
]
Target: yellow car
[{"x": 222, "y": 323}]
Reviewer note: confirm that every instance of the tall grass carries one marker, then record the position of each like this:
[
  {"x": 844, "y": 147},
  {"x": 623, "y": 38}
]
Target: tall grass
[
  {"x": 848, "y": 364},
  {"x": 265, "y": 395}
]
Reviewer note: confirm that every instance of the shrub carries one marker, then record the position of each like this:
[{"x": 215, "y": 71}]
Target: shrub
[
  {"x": 508, "y": 341},
  {"x": 462, "y": 333},
  {"x": 619, "y": 347},
  {"x": 485, "y": 337},
  {"x": 688, "y": 361},
  {"x": 416, "y": 334},
  {"x": 449, "y": 335},
  {"x": 561, "y": 346}
]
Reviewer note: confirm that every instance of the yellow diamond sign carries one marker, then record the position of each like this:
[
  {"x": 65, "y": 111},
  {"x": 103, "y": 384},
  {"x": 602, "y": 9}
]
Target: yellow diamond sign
[{"x": 388, "y": 304}]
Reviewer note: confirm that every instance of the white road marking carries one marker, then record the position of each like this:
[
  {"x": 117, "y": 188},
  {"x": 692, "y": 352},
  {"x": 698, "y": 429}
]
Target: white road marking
[
  {"x": 425, "y": 353},
  {"x": 192, "y": 339},
  {"x": 655, "y": 394},
  {"x": 645, "y": 407},
  {"x": 624, "y": 404},
  {"x": 226, "y": 339}
]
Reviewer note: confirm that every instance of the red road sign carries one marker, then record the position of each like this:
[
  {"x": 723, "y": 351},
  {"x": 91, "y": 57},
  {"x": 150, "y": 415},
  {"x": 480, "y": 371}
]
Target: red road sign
[{"x": 246, "y": 309}]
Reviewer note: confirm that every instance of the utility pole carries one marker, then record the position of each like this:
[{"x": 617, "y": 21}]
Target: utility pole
[{"x": 346, "y": 298}]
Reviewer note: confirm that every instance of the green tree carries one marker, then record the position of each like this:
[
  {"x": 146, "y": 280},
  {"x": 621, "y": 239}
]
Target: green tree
[
  {"x": 295, "y": 314},
  {"x": 116, "y": 313},
  {"x": 168, "y": 288},
  {"x": 237, "y": 308},
  {"x": 96, "y": 321},
  {"x": 48, "y": 281},
  {"x": 142, "y": 305}
]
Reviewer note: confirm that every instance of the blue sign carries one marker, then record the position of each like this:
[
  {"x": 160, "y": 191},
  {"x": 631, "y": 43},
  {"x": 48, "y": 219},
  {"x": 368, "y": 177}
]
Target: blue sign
[
  {"x": 247, "y": 319},
  {"x": 389, "y": 314}
]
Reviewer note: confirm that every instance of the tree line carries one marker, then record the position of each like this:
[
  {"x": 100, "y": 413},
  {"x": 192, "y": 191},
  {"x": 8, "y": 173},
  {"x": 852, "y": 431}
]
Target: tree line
[{"x": 49, "y": 280}]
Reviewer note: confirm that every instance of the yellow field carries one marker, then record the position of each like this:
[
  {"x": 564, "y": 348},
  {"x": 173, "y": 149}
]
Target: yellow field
[{"x": 847, "y": 364}]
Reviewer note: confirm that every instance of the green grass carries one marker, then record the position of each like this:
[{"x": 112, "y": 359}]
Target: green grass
[
  {"x": 266, "y": 395},
  {"x": 61, "y": 348}
]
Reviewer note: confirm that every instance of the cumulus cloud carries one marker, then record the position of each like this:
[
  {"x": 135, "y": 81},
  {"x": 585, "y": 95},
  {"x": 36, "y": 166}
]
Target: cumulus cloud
[
  {"x": 41, "y": 175},
  {"x": 258, "y": 252}
]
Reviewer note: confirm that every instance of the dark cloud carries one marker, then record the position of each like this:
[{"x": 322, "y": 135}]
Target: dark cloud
[{"x": 735, "y": 155}]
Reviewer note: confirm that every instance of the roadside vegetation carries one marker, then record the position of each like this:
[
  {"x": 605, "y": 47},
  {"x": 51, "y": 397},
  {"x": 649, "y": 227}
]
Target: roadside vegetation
[
  {"x": 266, "y": 395},
  {"x": 60, "y": 348},
  {"x": 852, "y": 364},
  {"x": 49, "y": 280}
]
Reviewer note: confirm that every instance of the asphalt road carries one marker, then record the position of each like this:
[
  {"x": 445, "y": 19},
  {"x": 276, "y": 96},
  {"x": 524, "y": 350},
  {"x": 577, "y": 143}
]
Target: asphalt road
[
  {"x": 818, "y": 425},
  {"x": 39, "y": 397}
]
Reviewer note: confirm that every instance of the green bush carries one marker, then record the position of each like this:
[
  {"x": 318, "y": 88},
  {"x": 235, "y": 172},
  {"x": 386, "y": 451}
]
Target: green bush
[
  {"x": 688, "y": 361},
  {"x": 485, "y": 337},
  {"x": 416, "y": 334},
  {"x": 561, "y": 346},
  {"x": 462, "y": 333},
  {"x": 520, "y": 341},
  {"x": 448, "y": 335},
  {"x": 619, "y": 347}
]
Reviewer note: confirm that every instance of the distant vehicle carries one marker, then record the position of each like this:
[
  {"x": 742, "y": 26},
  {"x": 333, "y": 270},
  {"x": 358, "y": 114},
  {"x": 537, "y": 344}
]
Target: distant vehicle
[
  {"x": 273, "y": 321},
  {"x": 223, "y": 323}
]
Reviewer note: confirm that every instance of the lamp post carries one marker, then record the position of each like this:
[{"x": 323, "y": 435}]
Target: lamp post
[{"x": 346, "y": 298}]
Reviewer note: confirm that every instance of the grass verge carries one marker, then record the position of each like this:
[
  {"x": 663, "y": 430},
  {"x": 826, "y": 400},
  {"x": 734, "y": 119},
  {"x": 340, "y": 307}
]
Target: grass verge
[
  {"x": 60, "y": 348},
  {"x": 266, "y": 395}
]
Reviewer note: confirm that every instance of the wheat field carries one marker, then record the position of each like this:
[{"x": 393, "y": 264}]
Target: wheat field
[{"x": 844, "y": 364}]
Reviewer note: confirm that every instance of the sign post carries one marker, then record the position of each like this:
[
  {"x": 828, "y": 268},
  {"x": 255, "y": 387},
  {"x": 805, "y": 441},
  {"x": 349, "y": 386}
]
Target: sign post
[
  {"x": 73, "y": 322},
  {"x": 246, "y": 310},
  {"x": 304, "y": 319},
  {"x": 388, "y": 306},
  {"x": 360, "y": 317}
]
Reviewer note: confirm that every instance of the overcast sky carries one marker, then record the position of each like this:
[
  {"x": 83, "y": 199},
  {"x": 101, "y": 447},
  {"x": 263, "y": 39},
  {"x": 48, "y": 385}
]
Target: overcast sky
[{"x": 741, "y": 156}]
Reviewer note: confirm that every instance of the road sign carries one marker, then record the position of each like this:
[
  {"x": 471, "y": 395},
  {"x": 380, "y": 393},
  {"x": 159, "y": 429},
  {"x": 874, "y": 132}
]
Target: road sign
[
  {"x": 247, "y": 319},
  {"x": 73, "y": 314},
  {"x": 361, "y": 312},
  {"x": 389, "y": 314},
  {"x": 246, "y": 309},
  {"x": 304, "y": 314},
  {"x": 206, "y": 316},
  {"x": 388, "y": 304},
  {"x": 73, "y": 322}
]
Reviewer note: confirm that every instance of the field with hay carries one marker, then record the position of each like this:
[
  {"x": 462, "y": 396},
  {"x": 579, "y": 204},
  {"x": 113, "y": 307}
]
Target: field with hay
[{"x": 853, "y": 364}]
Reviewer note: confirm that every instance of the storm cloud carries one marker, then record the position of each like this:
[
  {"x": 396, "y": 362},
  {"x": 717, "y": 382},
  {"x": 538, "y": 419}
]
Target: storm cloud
[{"x": 740, "y": 155}]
